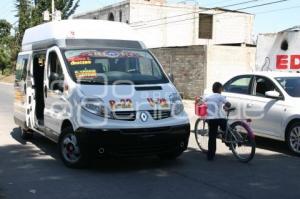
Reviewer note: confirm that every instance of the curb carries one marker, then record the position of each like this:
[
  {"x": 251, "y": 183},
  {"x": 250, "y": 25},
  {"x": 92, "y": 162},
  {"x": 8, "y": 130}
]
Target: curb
[{"x": 6, "y": 84}]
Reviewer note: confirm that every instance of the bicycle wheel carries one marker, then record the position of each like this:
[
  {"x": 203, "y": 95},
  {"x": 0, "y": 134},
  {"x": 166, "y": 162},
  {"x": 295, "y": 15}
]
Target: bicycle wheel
[
  {"x": 201, "y": 134},
  {"x": 242, "y": 141}
]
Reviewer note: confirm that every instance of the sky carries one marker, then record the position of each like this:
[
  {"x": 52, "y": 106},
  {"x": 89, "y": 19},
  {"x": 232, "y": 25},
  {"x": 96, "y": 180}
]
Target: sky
[{"x": 269, "y": 18}]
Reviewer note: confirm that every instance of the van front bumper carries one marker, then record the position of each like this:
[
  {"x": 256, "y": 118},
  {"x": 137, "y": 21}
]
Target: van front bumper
[{"x": 134, "y": 142}]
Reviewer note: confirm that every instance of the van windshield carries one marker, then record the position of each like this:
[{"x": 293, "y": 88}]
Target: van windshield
[{"x": 106, "y": 66}]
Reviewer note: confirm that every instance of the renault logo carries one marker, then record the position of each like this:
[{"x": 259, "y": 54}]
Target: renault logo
[{"x": 144, "y": 117}]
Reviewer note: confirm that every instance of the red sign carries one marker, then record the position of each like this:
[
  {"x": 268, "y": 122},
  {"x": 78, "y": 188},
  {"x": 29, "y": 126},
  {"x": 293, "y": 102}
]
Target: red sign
[{"x": 288, "y": 62}]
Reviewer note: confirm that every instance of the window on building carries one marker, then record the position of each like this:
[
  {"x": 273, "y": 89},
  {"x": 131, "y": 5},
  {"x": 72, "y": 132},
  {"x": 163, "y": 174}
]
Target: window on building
[
  {"x": 111, "y": 17},
  {"x": 120, "y": 14},
  {"x": 205, "y": 26}
]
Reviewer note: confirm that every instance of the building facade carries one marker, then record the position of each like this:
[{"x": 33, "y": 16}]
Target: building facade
[
  {"x": 197, "y": 45},
  {"x": 164, "y": 25}
]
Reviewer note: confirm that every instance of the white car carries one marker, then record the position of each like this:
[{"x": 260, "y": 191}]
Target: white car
[{"x": 271, "y": 100}]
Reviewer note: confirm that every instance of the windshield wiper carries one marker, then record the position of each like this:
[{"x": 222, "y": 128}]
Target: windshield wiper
[{"x": 92, "y": 81}]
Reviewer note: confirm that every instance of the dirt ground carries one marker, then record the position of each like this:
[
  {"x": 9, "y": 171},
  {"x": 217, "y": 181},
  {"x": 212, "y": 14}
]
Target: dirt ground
[{"x": 7, "y": 79}]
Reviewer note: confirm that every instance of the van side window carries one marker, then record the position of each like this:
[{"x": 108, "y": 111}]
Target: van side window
[
  {"x": 21, "y": 68},
  {"x": 55, "y": 72}
]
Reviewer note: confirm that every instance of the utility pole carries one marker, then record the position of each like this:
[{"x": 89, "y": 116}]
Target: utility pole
[
  {"x": 55, "y": 14},
  {"x": 53, "y": 9}
]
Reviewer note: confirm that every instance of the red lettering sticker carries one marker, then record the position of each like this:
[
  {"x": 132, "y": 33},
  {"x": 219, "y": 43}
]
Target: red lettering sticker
[
  {"x": 282, "y": 62},
  {"x": 295, "y": 61}
]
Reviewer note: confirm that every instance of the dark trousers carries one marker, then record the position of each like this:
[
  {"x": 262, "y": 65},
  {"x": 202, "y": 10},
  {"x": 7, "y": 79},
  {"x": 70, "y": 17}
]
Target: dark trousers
[{"x": 213, "y": 126}]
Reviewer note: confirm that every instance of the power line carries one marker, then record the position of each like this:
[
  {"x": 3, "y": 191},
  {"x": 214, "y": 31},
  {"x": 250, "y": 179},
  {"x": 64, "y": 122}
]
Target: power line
[
  {"x": 195, "y": 12},
  {"x": 249, "y": 7},
  {"x": 223, "y": 1},
  {"x": 277, "y": 10},
  {"x": 264, "y": 4}
]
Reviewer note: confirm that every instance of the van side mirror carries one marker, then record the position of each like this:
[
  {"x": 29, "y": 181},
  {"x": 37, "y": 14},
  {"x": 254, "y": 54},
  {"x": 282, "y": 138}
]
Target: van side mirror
[
  {"x": 273, "y": 95},
  {"x": 171, "y": 77}
]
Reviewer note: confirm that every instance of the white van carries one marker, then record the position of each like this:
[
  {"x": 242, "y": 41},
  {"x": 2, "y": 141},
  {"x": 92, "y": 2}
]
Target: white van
[{"x": 95, "y": 89}]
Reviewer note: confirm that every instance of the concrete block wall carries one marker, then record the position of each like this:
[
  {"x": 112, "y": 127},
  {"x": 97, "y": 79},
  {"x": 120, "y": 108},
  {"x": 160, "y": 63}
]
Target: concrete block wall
[
  {"x": 188, "y": 65},
  {"x": 224, "y": 62}
]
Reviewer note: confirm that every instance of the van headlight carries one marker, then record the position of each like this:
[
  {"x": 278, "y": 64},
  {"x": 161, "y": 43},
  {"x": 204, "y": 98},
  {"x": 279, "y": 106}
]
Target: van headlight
[
  {"x": 96, "y": 106},
  {"x": 176, "y": 103}
]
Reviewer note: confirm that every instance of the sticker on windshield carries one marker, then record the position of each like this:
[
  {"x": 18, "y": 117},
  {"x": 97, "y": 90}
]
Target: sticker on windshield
[
  {"x": 86, "y": 74},
  {"x": 87, "y": 62},
  {"x": 79, "y": 60},
  {"x": 111, "y": 53}
]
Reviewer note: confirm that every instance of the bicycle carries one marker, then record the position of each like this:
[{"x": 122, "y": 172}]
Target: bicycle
[{"x": 238, "y": 136}]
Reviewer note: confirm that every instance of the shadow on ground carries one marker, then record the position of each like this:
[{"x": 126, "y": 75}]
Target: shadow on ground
[{"x": 35, "y": 167}]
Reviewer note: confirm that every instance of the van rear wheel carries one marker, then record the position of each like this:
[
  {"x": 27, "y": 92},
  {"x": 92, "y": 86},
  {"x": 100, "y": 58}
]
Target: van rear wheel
[
  {"x": 72, "y": 155},
  {"x": 26, "y": 134}
]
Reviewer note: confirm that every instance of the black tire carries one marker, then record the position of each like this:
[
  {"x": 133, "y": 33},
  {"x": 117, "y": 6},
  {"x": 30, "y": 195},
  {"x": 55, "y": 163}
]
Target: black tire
[
  {"x": 72, "y": 154},
  {"x": 26, "y": 134},
  {"x": 201, "y": 134},
  {"x": 293, "y": 138},
  {"x": 242, "y": 138},
  {"x": 170, "y": 155}
]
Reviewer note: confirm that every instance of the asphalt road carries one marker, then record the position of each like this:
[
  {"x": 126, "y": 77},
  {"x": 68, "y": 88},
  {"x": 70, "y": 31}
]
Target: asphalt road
[{"x": 33, "y": 170}]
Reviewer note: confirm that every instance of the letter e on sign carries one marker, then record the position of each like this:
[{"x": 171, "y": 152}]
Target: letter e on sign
[
  {"x": 282, "y": 61},
  {"x": 295, "y": 61}
]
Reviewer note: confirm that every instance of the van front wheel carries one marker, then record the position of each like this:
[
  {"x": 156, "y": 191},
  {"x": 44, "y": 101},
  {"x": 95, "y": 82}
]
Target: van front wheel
[{"x": 72, "y": 154}]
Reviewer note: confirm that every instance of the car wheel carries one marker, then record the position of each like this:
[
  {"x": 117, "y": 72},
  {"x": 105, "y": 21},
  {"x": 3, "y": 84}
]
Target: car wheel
[
  {"x": 26, "y": 134},
  {"x": 72, "y": 154},
  {"x": 293, "y": 138}
]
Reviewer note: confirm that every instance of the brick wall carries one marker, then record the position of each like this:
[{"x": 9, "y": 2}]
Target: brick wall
[{"x": 188, "y": 65}]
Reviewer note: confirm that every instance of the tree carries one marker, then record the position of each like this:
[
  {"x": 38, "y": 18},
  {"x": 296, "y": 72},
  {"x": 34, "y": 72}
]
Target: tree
[
  {"x": 24, "y": 16},
  {"x": 5, "y": 44},
  {"x": 5, "y": 28},
  {"x": 4, "y": 60},
  {"x": 30, "y": 13},
  {"x": 67, "y": 7}
]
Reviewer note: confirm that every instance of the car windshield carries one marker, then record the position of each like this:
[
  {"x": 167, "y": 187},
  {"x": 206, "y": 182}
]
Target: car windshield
[
  {"x": 106, "y": 66},
  {"x": 291, "y": 85}
]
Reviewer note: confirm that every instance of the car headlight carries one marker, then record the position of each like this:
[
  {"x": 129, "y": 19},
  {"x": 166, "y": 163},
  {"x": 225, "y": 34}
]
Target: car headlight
[
  {"x": 176, "y": 103},
  {"x": 96, "y": 106}
]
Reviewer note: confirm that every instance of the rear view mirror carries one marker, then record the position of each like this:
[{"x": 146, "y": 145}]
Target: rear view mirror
[{"x": 273, "y": 95}]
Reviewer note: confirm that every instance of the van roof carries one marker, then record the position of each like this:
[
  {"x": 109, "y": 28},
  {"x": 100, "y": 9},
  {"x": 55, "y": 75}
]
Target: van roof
[{"x": 58, "y": 32}]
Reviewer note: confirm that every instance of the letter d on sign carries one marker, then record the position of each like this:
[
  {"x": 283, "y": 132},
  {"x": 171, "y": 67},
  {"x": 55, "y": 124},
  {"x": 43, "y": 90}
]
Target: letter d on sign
[
  {"x": 295, "y": 61},
  {"x": 282, "y": 61}
]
